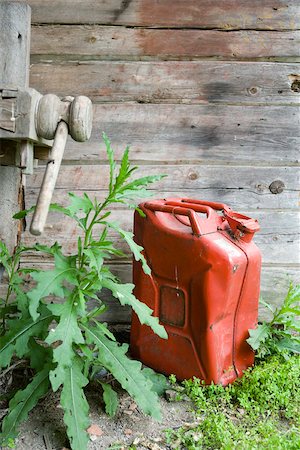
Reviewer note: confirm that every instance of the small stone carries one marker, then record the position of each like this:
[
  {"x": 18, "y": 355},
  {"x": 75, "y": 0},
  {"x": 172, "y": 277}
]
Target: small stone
[
  {"x": 95, "y": 430},
  {"x": 93, "y": 437},
  {"x": 170, "y": 395},
  {"x": 128, "y": 431},
  {"x": 129, "y": 413},
  {"x": 133, "y": 406}
]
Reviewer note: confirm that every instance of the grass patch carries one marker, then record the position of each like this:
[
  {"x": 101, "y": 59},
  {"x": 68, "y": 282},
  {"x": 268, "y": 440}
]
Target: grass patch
[{"x": 259, "y": 411}]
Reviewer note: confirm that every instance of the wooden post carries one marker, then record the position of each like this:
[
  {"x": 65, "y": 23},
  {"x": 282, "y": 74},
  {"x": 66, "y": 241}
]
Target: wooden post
[{"x": 15, "y": 21}]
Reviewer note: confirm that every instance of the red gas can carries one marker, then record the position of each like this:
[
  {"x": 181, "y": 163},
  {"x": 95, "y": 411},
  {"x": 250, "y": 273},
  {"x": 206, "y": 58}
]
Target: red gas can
[{"x": 204, "y": 288}]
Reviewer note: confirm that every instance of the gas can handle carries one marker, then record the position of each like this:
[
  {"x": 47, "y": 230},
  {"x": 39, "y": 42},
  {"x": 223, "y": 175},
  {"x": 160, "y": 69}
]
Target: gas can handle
[
  {"x": 214, "y": 205},
  {"x": 177, "y": 210},
  {"x": 197, "y": 208}
]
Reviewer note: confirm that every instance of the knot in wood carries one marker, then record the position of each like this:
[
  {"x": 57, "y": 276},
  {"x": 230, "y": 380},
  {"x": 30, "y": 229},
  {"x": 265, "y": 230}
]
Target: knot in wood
[
  {"x": 193, "y": 176},
  {"x": 253, "y": 90},
  {"x": 276, "y": 187}
]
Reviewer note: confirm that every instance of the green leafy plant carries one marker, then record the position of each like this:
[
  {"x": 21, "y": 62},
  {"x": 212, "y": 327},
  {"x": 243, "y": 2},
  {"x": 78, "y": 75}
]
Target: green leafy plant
[
  {"x": 66, "y": 355},
  {"x": 282, "y": 333},
  {"x": 259, "y": 410}
]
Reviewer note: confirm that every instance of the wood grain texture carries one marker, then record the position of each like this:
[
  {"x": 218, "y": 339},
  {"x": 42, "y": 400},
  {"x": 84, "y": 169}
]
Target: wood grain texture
[
  {"x": 186, "y": 177},
  {"x": 14, "y": 72},
  {"x": 79, "y": 42},
  {"x": 14, "y": 44},
  {"x": 229, "y": 14},
  {"x": 188, "y": 82},
  {"x": 275, "y": 283},
  {"x": 254, "y": 198},
  {"x": 278, "y": 239},
  {"x": 175, "y": 80},
  {"x": 194, "y": 133}
]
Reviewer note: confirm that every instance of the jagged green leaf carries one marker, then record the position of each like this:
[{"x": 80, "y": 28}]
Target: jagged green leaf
[
  {"x": 78, "y": 203},
  {"x": 110, "y": 398},
  {"x": 258, "y": 335},
  {"x": 128, "y": 372},
  {"x": 51, "y": 281},
  {"x": 159, "y": 382},
  {"x": 95, "y": 258},
  {"x": 123, "y": 292},
  {"x": 39, "y": 355},
  {"x": 5, "y": 258},
  {"x": 23, "y": 213},
  {"x": 23, "y": 402},
  {"x": 125, "y": 171},
  {"x": 66, "y": 333},
  {"x": 135, "y": 248},
  {"x": 75, "y": 405},
  {"x": 15, "y": 341},
  {"x": 112, "y": 164},
  {"x": 136, "y": 188},
  {"x": 289, "y": 344}
]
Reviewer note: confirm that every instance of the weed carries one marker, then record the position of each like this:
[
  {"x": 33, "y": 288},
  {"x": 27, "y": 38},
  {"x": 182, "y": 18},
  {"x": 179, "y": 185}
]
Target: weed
[
  {"x": 66, "y": 355},
  {"x": 281, "y": 334}
]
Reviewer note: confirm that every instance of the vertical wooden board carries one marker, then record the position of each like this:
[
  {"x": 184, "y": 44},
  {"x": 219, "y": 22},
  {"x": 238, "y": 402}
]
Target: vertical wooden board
[
  {"x": 10, "y": 196},
  {"x": 14, "y": 44},
  {"x": 14, "y": 72}
]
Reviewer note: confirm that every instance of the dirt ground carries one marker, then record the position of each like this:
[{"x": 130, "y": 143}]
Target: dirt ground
[{"x": 44, "y": 429}]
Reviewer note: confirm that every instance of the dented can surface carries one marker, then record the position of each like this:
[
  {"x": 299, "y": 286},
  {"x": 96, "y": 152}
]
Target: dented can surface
[{"x": 204, "y": 287}]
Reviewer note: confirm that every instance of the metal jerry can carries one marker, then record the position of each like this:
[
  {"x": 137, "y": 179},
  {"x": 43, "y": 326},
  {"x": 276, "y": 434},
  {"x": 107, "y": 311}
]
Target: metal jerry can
[{"x": 204, "y": 287}]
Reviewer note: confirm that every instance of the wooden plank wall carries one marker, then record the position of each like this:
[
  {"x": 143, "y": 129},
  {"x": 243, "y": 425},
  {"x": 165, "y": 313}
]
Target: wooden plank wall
[{"x": 206, "y": 92}]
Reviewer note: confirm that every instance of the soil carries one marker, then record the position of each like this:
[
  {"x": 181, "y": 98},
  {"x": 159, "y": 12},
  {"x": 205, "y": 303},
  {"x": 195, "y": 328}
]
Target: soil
[{"x": 44, "y": 429}]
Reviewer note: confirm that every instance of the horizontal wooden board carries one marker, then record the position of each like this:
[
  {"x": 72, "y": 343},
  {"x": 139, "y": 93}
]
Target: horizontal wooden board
[
  {"x": 196, "y": 82},
  {"x": 229, "y": 14},
  {"x": 194, "y": 133},
  {"x": 278, "y": 239},
  {"x": 274, "y": 285},
  {"x": 237, "y": 198},
  {"x": 186, "y": 177},
  {"x": 104, "y": 42}
]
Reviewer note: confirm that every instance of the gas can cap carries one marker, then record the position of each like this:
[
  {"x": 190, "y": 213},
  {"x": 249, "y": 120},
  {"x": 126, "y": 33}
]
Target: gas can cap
[{"x": 243, "y": 227}]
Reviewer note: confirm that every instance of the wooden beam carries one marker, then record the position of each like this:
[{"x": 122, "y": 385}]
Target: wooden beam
[
  {"x": 198, "y": 134},
  {"x": 75, "y": 42},
  {"x": 14, "y": 72},
  {"x": 184, "y": 82},
  {"x": 225, "y": 14}
]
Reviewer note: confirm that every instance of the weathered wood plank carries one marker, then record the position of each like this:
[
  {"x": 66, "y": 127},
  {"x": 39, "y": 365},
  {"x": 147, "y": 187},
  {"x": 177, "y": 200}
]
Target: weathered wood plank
[
  {"x": 14, "y": 72},
  {"x": 195, "y": 133},
  {"x": 113, "y": 43},
  {"x": 186, "y": 177},
  {"x": 278, "y": 239},
  {"x": 274, "y": 285},
  {"x": 14, "y": 44},
  {"x": 237, "y": 198},
  {"x": 229, "y": 14},
  {"x": 195, "y": 82}
]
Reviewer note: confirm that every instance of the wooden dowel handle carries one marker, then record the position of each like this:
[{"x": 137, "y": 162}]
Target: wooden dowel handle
[{"x": 49, "y": 180}]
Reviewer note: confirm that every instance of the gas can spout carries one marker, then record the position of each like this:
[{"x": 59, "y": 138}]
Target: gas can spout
[{"x": 243, "y": 227}]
